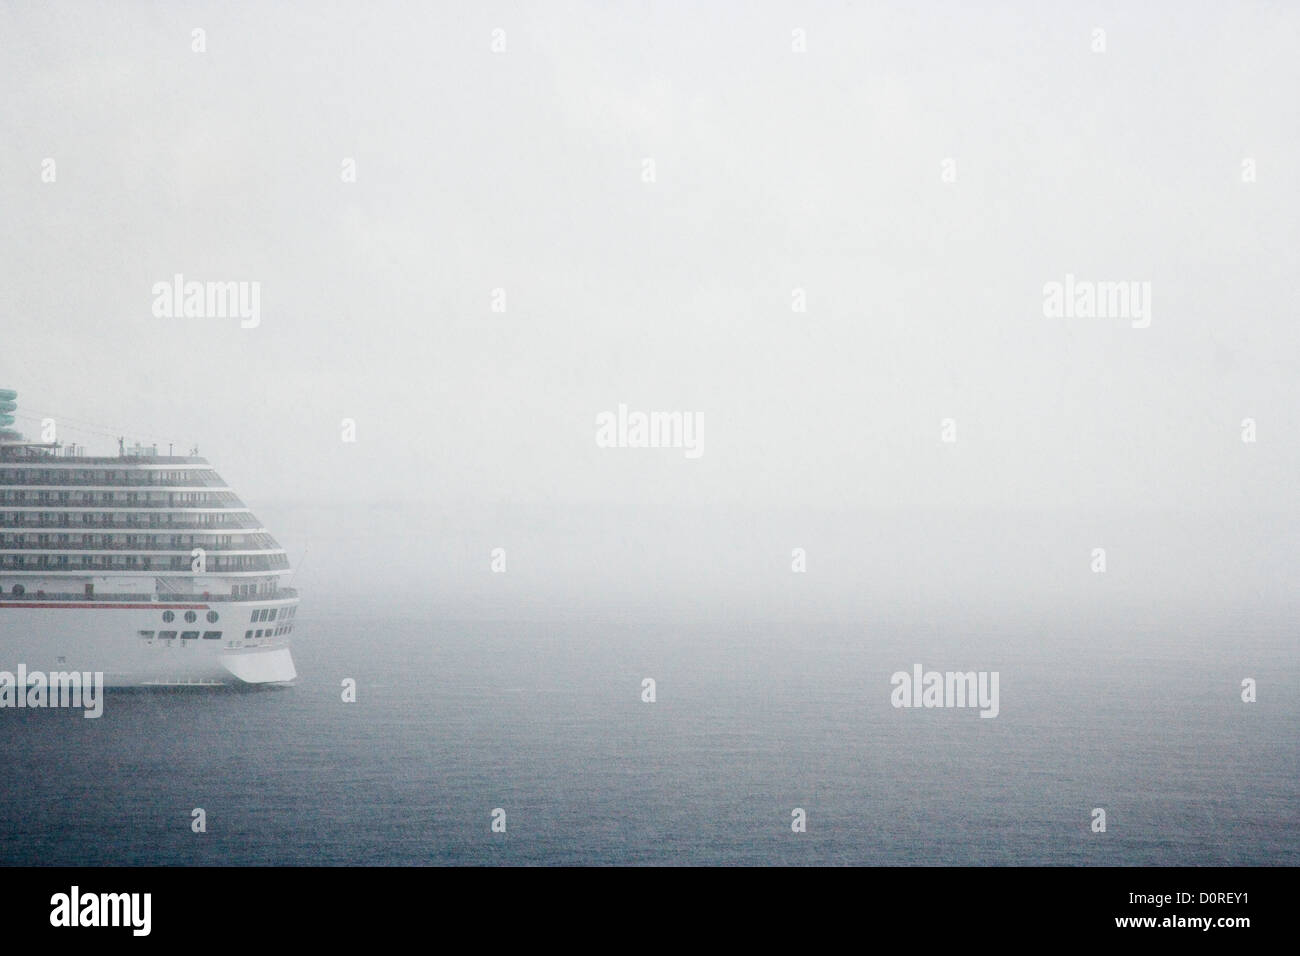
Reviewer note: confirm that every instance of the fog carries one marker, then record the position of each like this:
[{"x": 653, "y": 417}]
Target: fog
[{"x": 913, "y": 178}]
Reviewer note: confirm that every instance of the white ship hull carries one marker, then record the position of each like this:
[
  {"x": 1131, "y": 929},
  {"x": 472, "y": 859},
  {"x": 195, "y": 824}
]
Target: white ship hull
[
  {"x": 109, "y": 638},
  {"x": 145, "y": 568}
]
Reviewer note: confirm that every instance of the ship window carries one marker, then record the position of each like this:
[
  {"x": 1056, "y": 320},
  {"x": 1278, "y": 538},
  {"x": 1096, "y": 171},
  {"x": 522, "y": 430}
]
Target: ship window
[
  {"x": 212, "y": 635},
  {"x": 168, "y": 617},
  {"x": 212, "y": 617},
  {"x": 147, "y": 635},
  {"x": 259, "y": 634},
  {"x": 189, "y": 635},
  {"x": 190, "y": 617},
  {"x": 19, "y": 590},
  {"x": 166, "y": 635},
  {"x": 272, "y": 617},
  {"x": 248, "y": 635}
]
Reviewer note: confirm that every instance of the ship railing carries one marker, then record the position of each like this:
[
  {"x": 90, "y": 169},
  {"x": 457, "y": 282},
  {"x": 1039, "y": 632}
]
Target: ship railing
[
  {"x": 282, "y": 594},
  {"x": 112, "y": 483},
  {"x": 228, "y": 502},
  {"x": 143, "y": 548},
  {"x": 115, "y": 460}
]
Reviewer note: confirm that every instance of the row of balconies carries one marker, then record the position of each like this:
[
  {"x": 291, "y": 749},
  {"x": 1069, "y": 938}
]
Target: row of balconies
[
  {"x": 96, "y": 542},
  {"x": 234, "y": 520},
  {"x": 90, "y": 461},
  {"x": 279, "y": 594},
  {"x": 215, "y": 564},
  {"x": 124, "y": 499},
  {"x": 62, "y": 478}
]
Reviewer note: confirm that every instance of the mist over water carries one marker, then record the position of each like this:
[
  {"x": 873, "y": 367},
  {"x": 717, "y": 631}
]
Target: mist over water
[
  {"x": 454, "y": 719},
  {"x": 773, "y": 692},
  {"x": 522, "y": 690},
  {"x": 573, "y": 559}
]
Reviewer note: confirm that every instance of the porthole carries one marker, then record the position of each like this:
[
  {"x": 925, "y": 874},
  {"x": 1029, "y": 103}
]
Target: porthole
[
  {"x": 190, "y": 617},
  {"x": 19, "y": 590},
  {"x": 212, "y": 617},
  {"x": 168, "y": 617}
]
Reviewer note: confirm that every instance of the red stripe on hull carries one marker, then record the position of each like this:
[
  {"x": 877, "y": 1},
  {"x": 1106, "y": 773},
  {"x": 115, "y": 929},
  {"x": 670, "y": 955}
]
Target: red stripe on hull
[{"x": 137, "y": 607}]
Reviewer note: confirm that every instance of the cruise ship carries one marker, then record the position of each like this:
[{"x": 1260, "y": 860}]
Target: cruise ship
[{"x": 144, "y": 567}]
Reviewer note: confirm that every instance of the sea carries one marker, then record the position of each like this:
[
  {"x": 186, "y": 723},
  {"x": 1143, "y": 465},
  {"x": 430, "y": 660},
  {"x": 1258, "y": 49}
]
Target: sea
[{"x": 536, "y": 742}]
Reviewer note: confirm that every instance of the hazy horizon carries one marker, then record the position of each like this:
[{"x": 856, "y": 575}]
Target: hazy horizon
[{"x": 914, "y": 176}]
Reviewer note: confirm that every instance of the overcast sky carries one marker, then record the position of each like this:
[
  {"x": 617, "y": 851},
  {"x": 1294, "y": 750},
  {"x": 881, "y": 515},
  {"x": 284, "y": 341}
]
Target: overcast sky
[{"x": 774, "y": 170}]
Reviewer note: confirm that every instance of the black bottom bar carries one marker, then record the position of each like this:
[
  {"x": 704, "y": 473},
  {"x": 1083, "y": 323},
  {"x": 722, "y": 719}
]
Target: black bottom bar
[{"x": 930, "y": 905}]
